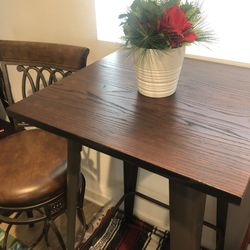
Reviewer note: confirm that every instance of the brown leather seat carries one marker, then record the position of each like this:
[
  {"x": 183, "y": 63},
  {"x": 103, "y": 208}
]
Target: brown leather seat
[{"x": 21, "y": 186}]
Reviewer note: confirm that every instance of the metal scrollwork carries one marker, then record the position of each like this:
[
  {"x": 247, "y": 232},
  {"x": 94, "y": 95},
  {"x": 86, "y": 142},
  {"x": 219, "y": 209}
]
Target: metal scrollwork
[{"x": 35, "y": 78}]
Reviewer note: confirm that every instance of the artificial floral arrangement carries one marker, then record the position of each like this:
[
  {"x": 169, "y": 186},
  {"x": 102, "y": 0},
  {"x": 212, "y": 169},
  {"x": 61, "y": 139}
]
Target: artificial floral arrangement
[{"x": 164, "y": 24}]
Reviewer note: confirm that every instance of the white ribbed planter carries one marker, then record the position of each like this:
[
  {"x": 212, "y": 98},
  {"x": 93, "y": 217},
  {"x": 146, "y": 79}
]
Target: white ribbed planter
[{"x": 158, "y": 71}]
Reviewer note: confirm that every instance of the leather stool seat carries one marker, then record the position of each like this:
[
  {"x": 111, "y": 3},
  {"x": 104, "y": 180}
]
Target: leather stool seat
[{"x": 32, "y": 167}]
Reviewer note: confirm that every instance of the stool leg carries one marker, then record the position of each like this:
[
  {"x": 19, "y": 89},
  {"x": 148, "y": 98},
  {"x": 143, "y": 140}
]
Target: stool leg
[
  {"x": 58, "y": 234},
  {"x": 30, "y": 215},
  {"x": 46, "y": 232},
  {"x": 40, "y": 237},
  {"x": 6, "y": 235},
  {"x": 80, "y": 211}
]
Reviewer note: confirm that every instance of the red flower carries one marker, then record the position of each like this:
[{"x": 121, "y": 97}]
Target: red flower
[{"x": 176, "y": 26}]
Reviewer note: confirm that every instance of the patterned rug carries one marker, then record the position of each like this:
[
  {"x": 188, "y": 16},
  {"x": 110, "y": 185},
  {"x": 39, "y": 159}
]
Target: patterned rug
[
  {"x": 13, "y": 243},
  {"x": 119, "y": 234},
  {"x": 115, "y": 233}
]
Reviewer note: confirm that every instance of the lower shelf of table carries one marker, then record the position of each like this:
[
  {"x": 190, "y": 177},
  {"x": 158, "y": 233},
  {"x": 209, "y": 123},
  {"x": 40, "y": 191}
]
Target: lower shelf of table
[{"x": 117, "y": 231}]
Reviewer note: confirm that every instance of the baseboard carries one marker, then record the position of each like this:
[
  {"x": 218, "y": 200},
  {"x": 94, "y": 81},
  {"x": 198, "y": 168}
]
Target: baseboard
[{"x": 96, "y": 198}]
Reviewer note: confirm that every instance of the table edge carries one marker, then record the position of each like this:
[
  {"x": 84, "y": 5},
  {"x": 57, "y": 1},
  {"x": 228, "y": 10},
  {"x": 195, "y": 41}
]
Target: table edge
[{"x": 203, "y": 187}]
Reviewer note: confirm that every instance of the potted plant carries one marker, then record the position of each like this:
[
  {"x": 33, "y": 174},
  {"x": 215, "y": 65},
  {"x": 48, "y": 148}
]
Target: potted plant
[{"x": 157, "y": 31}]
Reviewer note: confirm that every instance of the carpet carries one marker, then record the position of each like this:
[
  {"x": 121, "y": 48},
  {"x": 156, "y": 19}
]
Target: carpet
[
  {"x": 120, "y": 234},
  {"x": 13, "y": 243}
]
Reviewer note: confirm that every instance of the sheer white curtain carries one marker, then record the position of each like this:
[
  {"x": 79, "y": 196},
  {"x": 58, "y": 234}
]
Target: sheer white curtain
[{"x": 228, "y": 19}]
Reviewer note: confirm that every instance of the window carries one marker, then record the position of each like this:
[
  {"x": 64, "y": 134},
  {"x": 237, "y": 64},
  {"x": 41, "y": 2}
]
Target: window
[
  {"x": 228, "y": 20},
  {"x": 107, "y": 13}
]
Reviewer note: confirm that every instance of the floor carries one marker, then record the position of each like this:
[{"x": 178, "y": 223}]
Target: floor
[{"x": 28, "y": 235}]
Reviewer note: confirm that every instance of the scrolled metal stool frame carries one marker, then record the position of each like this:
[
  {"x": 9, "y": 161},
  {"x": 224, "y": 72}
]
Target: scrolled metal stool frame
[{"x": 48, "y": 211}]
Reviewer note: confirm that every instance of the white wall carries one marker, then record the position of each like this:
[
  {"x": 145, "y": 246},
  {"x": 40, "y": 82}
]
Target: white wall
[
  {"x": 58, "y": 21},
  {"x": 73, "y": 22},
  {"x": 67, "y": 22}
]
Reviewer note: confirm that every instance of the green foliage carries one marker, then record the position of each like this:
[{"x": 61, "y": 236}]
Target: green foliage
[
  {"x": 136, "y": 27},
  {"x": 142, "y": 24}
]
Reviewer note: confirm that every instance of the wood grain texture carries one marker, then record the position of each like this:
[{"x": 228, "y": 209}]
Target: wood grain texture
[{"x": 200, "y": 135}]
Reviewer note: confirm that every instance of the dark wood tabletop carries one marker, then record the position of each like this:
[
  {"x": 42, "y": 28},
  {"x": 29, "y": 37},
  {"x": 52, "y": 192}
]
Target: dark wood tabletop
[{"x": 200, "y": 135}]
